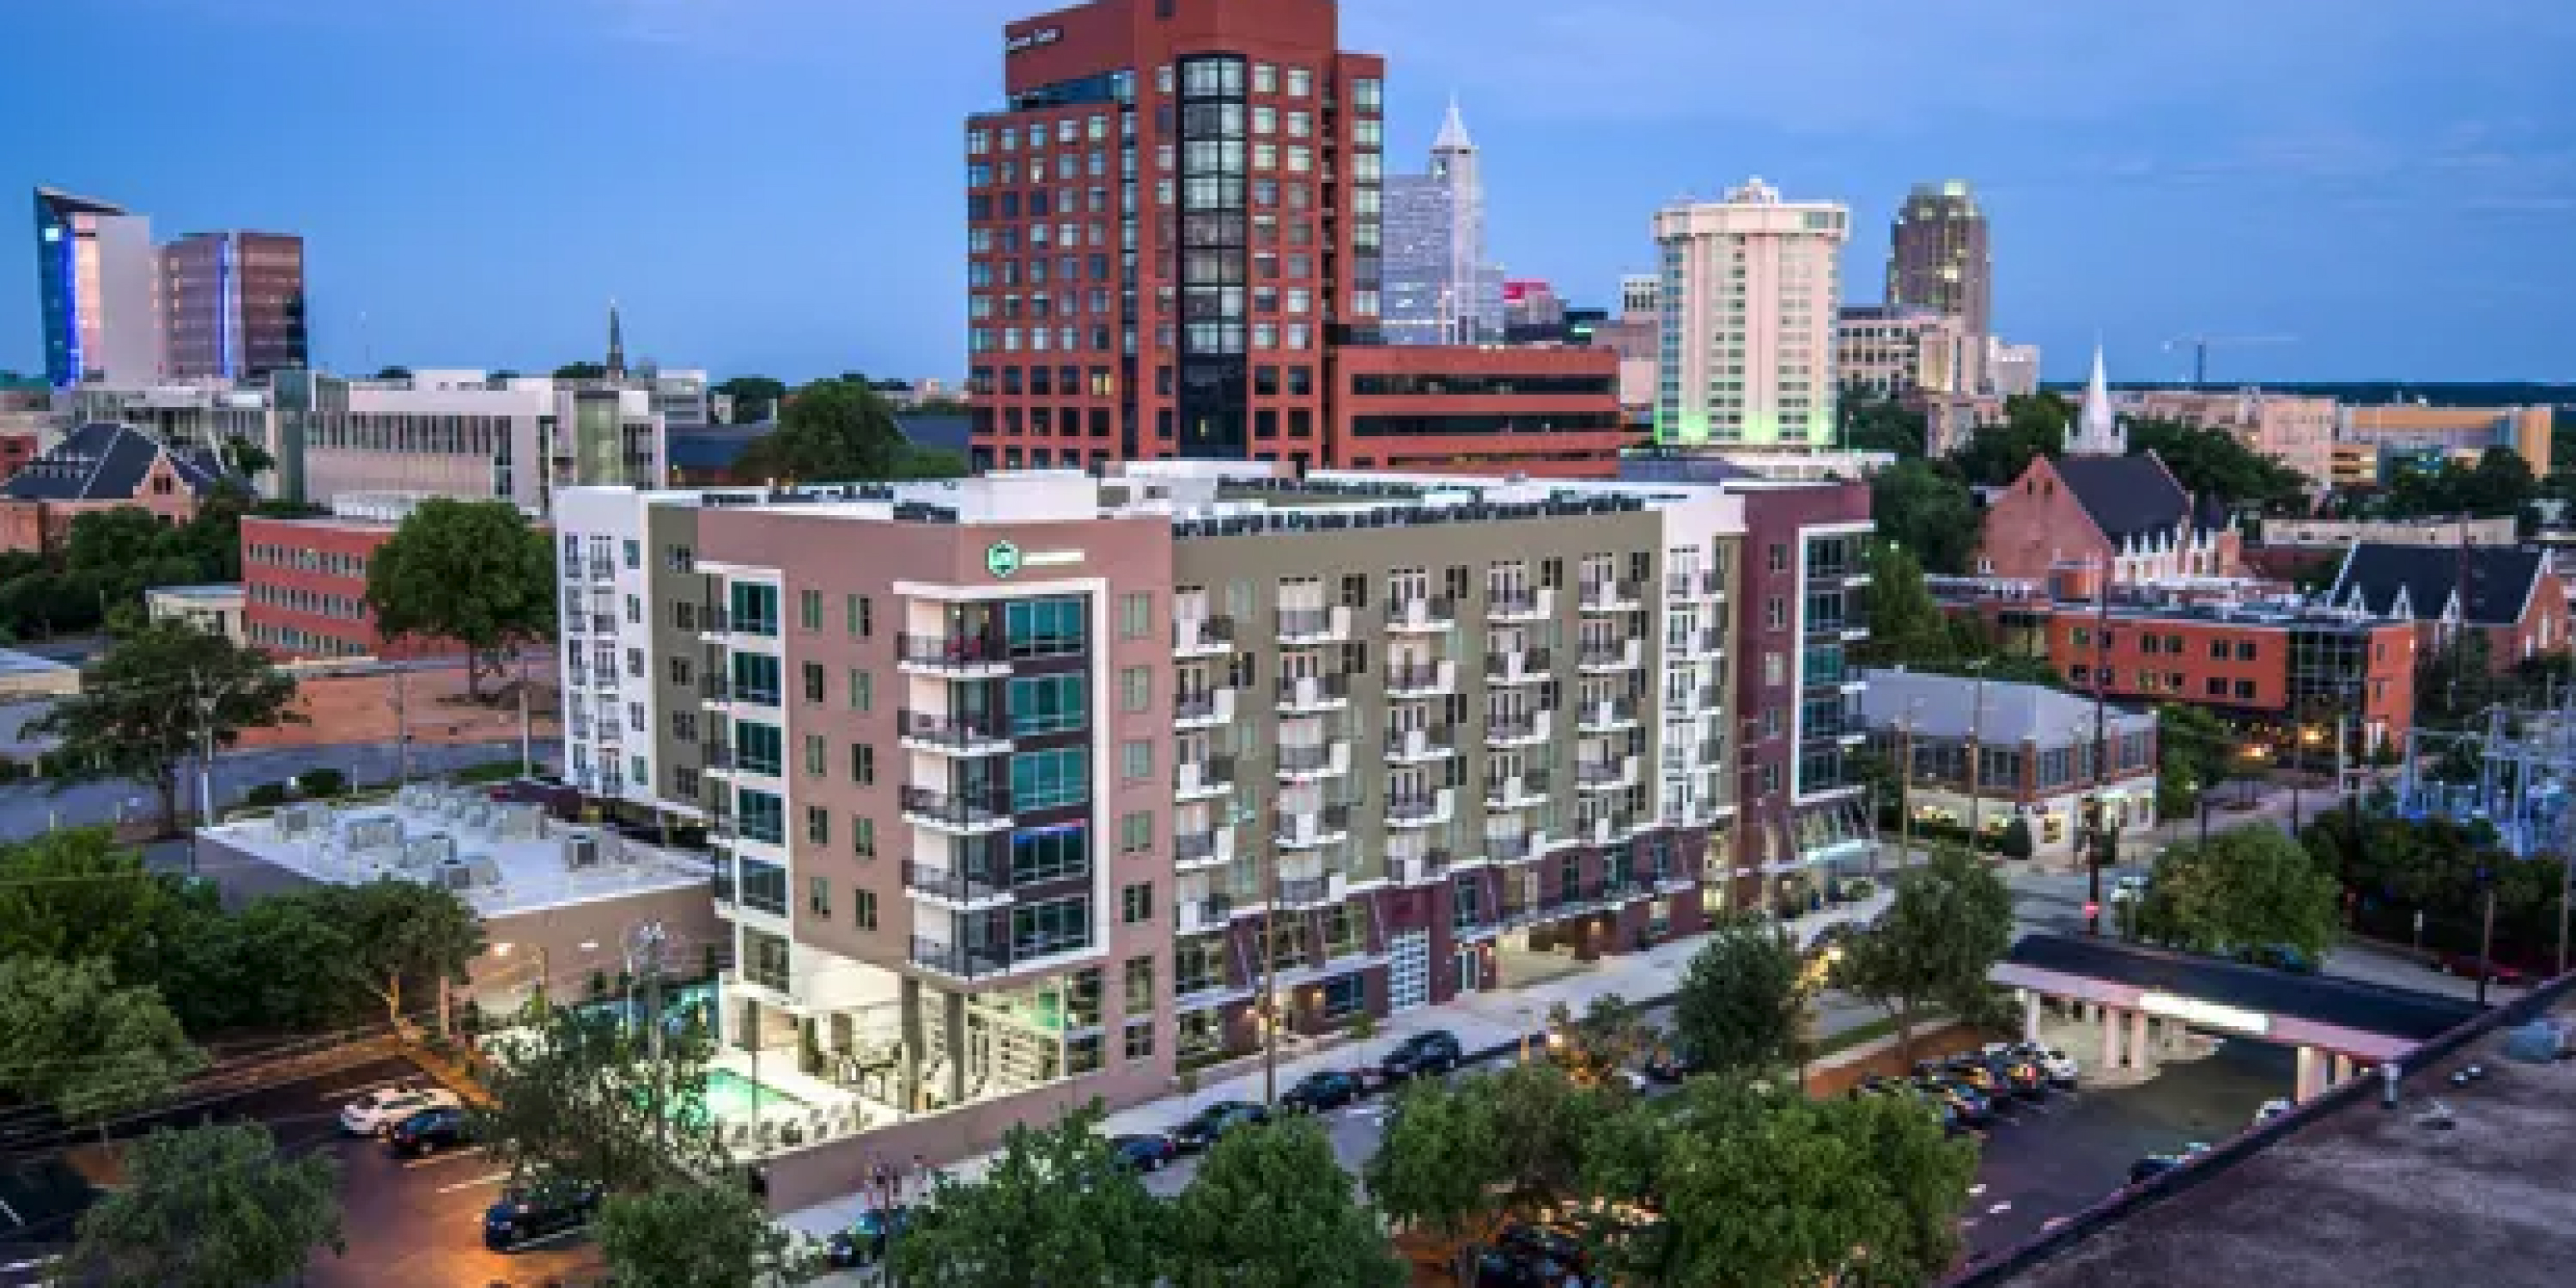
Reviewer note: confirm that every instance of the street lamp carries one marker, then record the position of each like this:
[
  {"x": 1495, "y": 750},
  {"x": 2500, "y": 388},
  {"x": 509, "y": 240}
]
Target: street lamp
[{"x": 2308, "y": 736}]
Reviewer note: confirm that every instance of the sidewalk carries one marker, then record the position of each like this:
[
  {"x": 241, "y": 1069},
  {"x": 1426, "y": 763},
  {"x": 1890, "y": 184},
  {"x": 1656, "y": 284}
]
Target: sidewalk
[{"x": 1488, "y": 1025}]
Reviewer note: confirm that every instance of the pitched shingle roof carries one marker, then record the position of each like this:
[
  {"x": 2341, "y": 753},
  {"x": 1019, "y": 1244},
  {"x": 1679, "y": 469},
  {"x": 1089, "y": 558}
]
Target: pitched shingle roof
[
  {"x": 107, "y": 462},
  {"x": 2126, "y": 495},
  {"x": 2501, "y": 580}
]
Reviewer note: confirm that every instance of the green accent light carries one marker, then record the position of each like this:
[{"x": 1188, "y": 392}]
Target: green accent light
[{"x": 1001, "y": 559}]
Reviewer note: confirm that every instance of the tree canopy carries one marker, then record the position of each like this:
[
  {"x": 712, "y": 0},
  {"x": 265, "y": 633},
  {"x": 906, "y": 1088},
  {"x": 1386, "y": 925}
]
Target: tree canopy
[
  {"x": 1271, "y": 1208},
  {"x": 475, "y": 572},
  {"x": 840, "y": 430},
  {"x": 1925, "y": 509},
  {"x": 1876, "y": 423},
  {"x": 2248, "y": 887},
  {"x": 211, "y": 1207},
  {"x": 1949, "y": 923},
  {"x": 138, "y": 712},
  {"x": 698, "y": 1236},
  {"x": 582, "y": 371},
  {"x": 100, "y": 569},
  {"x": 2215, "y": 462},
  {"x": 2034, "y": 425},
  {"x": 1744, "y": 1002},
  {"x": 403, "y": 933},
  {"x": 1906, "y": 626},
  {"x": 585, "y": 1095},
  {"x": 1055, "y": 1207},
  {"x": 755, "y": 398},
  {"x": 74, "y": 1039},
  {"x": 2499, "y": 485},
  {"x": 2193, "y": 751}
]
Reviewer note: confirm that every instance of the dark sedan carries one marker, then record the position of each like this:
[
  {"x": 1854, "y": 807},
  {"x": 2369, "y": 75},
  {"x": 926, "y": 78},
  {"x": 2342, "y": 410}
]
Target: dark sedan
[
  {"x": 541, "y": 1210},
  {"x": 1210, "y": 1124},
  {"x": 1321, "y": 1090},
  {"x": 429, "y": 1131},
  {"x": 1144, "y": 1153},
  {"x": 1432, "y": 1051}
]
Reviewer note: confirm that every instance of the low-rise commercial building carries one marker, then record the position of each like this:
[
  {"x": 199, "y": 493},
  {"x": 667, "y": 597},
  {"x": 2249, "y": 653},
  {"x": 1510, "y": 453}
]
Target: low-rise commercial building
[
  {"x": 102, "y": 467},
  {"x": 2409, "y": 431},
  {"x": 215, "y": 608},
  {"x": 2296, "y": 430},
  {"x": 1520, "y": 409},
  {"x": 304, "y": 582},
  {"x": 1984, "y": 753},
  {"x": 1074, "y": 779}
]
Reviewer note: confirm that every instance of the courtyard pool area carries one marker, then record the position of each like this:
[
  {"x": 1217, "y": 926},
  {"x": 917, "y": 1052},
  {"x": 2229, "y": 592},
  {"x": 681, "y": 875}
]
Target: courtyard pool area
[{"x": 731, "y": 1098}]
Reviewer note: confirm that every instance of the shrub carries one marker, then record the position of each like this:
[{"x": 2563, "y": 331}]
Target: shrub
[
  {"x": 322, "y": 782},
  {"x": 490, "y": 771},
  {"x": 265, "y": 795}
]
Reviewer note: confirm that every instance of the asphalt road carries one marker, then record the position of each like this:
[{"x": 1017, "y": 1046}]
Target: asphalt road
[
  {"x": 30, "y": 809},
  {"x": 408, "y": 1223}
]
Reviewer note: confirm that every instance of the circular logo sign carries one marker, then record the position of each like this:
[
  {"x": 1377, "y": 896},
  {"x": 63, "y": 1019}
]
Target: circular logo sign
[{"x": 1001, "y": 559}]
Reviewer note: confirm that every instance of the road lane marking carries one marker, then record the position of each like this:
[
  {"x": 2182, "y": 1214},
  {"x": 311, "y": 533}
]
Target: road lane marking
[
  {"x": 433, "y": 1160},
  {"x": 494, "y": 1178},
  {"x": 544, "y": 1239},
  {"x": 12, "y": 1213},
  {"x": 2000, "y": 1208},
  {"x": 1975, "y": 1191},
  {"x": 353, "y": 1093}
]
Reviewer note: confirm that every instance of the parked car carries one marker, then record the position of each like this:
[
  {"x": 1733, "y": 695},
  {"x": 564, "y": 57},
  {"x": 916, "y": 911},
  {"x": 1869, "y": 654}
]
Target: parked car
[
  {"x": 1973, "y": 1071},
  {"x": 1669, "y": 1063},
  {"x": 1321, "y": 1090},
  {"x": 537, "y": 1211},
  {"x": 1973, "y": 1107},
  {"x": 2466, "y": 965},
  {"x": 2282, "y": 957},
  {"x": 2057, "y": 1066},
  {"x": 1146, "y": 1153},
  {"x": 377, "y": 1111},
  {"x": 2152, "y": 1166},
  {"x": 429, "y": 1131},
  {"x": 2272, "y": 1109},
  {"x": 1534, "y": 1256},
  {"x": 1211, "y": 1123},
  {"x": 863, "y": 1241},
  {"x": 2020, "y": 1077},
  {"x": 1430, "y": 1051}
]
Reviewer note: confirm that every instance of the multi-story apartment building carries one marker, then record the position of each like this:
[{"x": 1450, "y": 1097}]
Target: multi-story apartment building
[
  {"x": 1938, "y": 257},
  {"x": 2296, "y": 430},
  {"x": 1070, "y": 774},
  {"x": 1174, "y": 229},
  {"x": 1891, "y": 351},
  {"x": 232, "y": 305},
  {"x": 1751, "y": 286}
]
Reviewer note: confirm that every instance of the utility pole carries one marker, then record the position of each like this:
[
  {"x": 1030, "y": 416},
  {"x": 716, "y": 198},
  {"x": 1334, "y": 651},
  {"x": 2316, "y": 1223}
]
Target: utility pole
[
  {"x": 2486, "y": 936},
  {"x": 402, "y": 725},
  {"x": 1905, "y": 800},
  {"x": 527, "y": 741},
  {"x": 2106, "y": 834},
  {"x": 1270, "y": 987},
  {"x": 1976, "y": 753}
]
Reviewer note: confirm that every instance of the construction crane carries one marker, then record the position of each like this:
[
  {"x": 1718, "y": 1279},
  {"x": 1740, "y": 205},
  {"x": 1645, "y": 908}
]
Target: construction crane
[{"x": 2200, "y": 348}]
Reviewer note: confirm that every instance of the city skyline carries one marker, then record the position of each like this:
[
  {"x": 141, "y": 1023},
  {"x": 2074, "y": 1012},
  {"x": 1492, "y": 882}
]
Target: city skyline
[{"x": 2299, "y": 186}]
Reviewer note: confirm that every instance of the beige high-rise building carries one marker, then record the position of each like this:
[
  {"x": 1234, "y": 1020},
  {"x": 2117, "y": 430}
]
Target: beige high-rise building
[
  {"x": 2295, "y": 429},
  {"x": 1892, "y": 350},
  {"x": 1751, "y": 285}
]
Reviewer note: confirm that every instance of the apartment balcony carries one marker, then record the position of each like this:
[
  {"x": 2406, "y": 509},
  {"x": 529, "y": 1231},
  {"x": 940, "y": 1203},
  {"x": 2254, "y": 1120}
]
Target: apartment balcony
[
  {"x": 1421, "y": 809},
  {"x": 1527, "y": 729},
  {"x": 579, "y": 728},
  {"x": 1314, "y": 625},
  {"x": 1613, "y": 716},
  {"x": 961, "y": 656},
  {"x": 1420, "y": 614},
  {"x": 1524, "y": 790},
  {"x": 1202, "y": 779},
  {"x": 1202, "y": 636},
  {"x": 1203, "y": 916},
  {"x": 951, "y": 735},
  {"x": 976, "y": 886},
  {"x": 1609, "y": 657},
  {"x": 603, "y": 623},
  {"x": 1314, "y": 694},
  {"x": 1517, "y": 847},
  {"x": 1701, "y": 644},
  {"x": 1712, "y": 586},
  {"x": 1203, "y": 709},
  {"x": 1528, "y": 604},
  {"x": 603, "y": 570},
  {"x": 955, "y": 813},
  {"x": 1417, "y": 746},
  {"x": 1314, "y": 761},
  {"x": 719, "y": 626},
  {"x": 1313, "y": 892},
  {"x": 1313, "y": 829},
  {"x": 1611, "y": 597},
  {"x": 1417, "y": 869},
  {"x": 1421, "y": 679},
  {"x": 1606, "y": 775},
  {"x": 960, "y": 961},
  {"x": 1194, "y": 851},
  {"x": 720, "y": 692},
  {"x": 1524, "y": 666}
]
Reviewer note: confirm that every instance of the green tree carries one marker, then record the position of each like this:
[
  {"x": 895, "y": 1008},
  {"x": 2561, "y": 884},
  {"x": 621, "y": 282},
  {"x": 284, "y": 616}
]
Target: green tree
[
  {"x": 140, "y": 706},
  {"x": 1949, "y": 923},
  {"x": 2193, "y": 749},
  {"x": 582, "y": 371},
  {"x": 280, "y": 963},
  {"x": 2016, "y": 841},
  {"x": 584, "y": 1095},
  {"x": 1609, "y": 1036},
  {"x": 2216, "y": 463},
  {"x": 1055, "y": 1207},
  {"x": 474, "y": 572},
  {"x": 1437, "y": 1162},
  {"x": 1906, "y": 627},
  {"x": 2248, "y": 887},
  {"x": 1270, "y": 1208},
  {"x": 697, "y": 1236},
  {"x": 1742, "y": 1008},
  {"x": 211, "y": 1207},
  {"x": 1876, "y": 423},
  {"x": 2034, "y": 426},
  {"x": 404, "y": 934},
  {"x": 73, "y": 1039},
  {"x": 393, "y": 373},
  {"x": 831, "y": 430},
  {"x": 246, "y": 458},
  {"x": 1925, "y": 509},
  {"x": 77, "y": 895}
]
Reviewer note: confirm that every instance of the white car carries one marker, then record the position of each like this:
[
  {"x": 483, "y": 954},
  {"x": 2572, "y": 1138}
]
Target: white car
[
  {"x": 2272, "y": 1109},
  {"x": 377, "y": 1113},
  {"x": 2054, "y": 1065}
]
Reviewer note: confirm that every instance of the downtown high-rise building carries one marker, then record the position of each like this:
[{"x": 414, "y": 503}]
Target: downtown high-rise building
[
  {"x": 1938, "y": 257},
  {"x": 1751, "y": 289},
  {"x": 232, "y": 305},
  {"x": 97, "y": 287},
  {"x": 1439, "y": 287},
  {"x": 1175, "y": 248}
]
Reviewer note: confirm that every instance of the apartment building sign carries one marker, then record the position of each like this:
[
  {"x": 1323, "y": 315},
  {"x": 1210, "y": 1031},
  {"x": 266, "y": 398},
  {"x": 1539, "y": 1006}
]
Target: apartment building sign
[{"x": 1001, "y": 558}]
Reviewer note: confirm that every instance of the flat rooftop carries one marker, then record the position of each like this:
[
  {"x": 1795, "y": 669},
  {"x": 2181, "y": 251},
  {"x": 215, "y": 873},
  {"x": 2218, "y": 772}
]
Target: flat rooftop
[
  {"x": 504, "y": 859},
  {"x": 13, "y": 662},
  {"x": 218, "y": 590},
  {"x": 2354, "y": 1194}
]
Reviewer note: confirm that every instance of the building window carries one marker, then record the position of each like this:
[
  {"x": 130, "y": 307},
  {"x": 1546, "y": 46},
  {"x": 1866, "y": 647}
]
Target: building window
[
  {"x": 863, "y": 689},
  {"x": 818, "y": 896},
  {"x": 863, "y": 764},
  {"x": 809, "y": 609},
  {"x": 1049, "y": 779},
  {"x": 863, "y": 836},
  {"x": 813, "y": 676},
  {"x": 1047, "y": 704},
  {"x": 1136, "y": 760},
  {"x": 2245, "y": 690},
  {"x": 1135, "y": 689},
  {"x": 1140, "y": 985},
  {"x": 1057, "y": 926},
  {"x": 1135, "y": 615},
  {"x": 1139, "y": 1037},
  {"x": 1044, "y": 627},
  {"x": 861, "y": 619},
  {"x": 818, "y": 825},
  {"x": 1136, "y": 832},
  {"x": 863, "y": 909},
  {"x": 816, "y": 756},
  {"x": 2217, "y": 684},
  {"x": 1136, "y": 904},
  {"x": 1775, "y": 613}
]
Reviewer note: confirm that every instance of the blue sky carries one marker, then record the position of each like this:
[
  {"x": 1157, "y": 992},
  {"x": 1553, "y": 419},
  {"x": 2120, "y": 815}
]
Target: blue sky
[{"x": 774, "y": 185}]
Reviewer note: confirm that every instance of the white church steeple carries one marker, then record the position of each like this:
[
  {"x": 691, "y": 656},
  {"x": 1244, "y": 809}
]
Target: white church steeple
[{"x": 2097, "y": 427}]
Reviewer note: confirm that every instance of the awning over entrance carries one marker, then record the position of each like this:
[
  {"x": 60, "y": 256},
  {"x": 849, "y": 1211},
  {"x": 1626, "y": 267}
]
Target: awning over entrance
[{"x": 2365, "y": 1021}]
